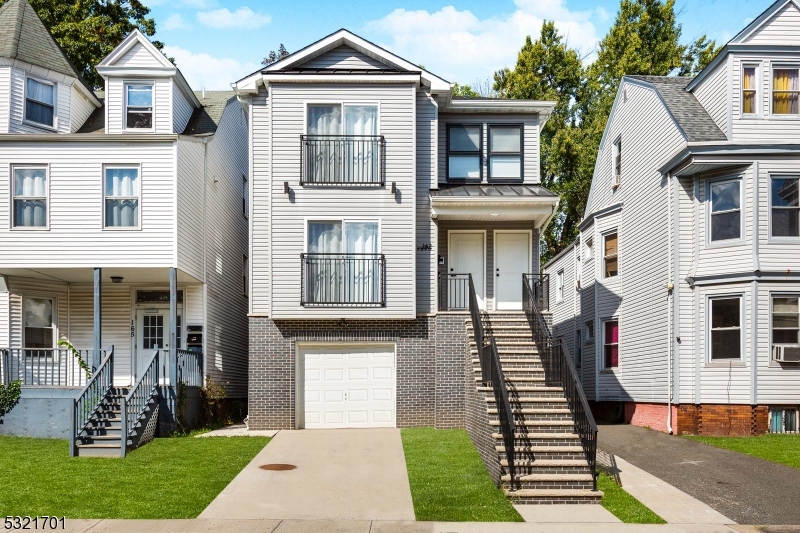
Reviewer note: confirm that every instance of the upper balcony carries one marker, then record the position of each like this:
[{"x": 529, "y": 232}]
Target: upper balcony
[{"x": 342, "y": 160}]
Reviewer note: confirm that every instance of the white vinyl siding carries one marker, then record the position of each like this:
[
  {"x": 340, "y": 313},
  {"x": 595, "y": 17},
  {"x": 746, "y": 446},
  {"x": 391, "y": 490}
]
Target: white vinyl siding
[
  {"x": 777, "y": 383},
  {"x": 397, "y": 218},
  {"x": 427, "y": 119},
  {"x": 4, "y": 317},
  {"x": 5, "y": 98},
  {"x": 181, "y": 109},
  {"x": 80, "y": 108},
  {"x": 565, "y": 318},
  {"x": 343, "y": 57},
  {"x": 530, "y": 141},
  {"x": 713, "y": 95},
  {"x": 781, "y": 28},
  {"x": 261, "y": 136},
  {"x": 137, "y": 56},
  {"x": 191, "y": 206},
  {"x": 686, "y": 318},
  {"x": 76, "y": 236}
]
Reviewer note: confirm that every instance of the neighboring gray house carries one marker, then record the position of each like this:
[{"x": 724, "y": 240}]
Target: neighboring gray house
[
  {"x": 683, "y": 286},
  {"x": 126, "y": 222}
]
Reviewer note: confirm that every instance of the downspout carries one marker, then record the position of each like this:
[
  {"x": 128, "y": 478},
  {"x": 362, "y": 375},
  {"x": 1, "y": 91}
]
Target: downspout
[{"x": 670, "y": 288}]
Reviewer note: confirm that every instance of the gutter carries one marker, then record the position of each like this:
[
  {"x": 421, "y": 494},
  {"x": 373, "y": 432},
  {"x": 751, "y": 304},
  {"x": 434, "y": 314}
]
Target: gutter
[{"x": 88, "y": 137}]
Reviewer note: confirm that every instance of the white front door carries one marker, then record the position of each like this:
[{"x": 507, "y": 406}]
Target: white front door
[
  {"x": 347, "y": 386},
  {"x": 466, "y": 256},
  {"x": 512, "y": 259},
  {"x": 152, "y": 330}
]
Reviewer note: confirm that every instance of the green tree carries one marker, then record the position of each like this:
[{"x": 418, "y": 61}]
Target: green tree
[
  {"x": 464, "y": 90},
  {"x": 698, "y": 55},
  {"x": 275, "y": 56},
  {"x": 88, "y": 30}
]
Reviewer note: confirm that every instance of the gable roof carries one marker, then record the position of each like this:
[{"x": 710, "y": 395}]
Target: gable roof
[
  {"x": 135, "y": 37},
  {"x": 763, "y": 19},
  {"x": 204, "y": 120},
  {"x": 23, "y": 36},
  {"x": 688, "y": 113}
]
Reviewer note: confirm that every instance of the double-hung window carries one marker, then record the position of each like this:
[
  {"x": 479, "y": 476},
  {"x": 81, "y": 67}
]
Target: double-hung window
[
  {"x": 611, "y": 257},
  {"x": 29, "y": 197},
  {"x": 725, "y": 210},
  {"x": 785, "y": 206},
  {"x": 616, "y": 154},
  {"x": 505, "y": 152},
  {"x": 343, "y": 264},
  {"x": 138, "y": 106},
  {"x": 749, "y": 90},
  {"x": 39, "y": 323},
  {"x": 726, "y": 328},
  {"x": 121, "y": 193},
  {"x": 342, "y": 145},
  {"x": 464, "y": 152},
  {"x": 560, "y": 286},
  {"x": 40, "y": 102},
  {"x": 611, "y": 343},
  {"x": 786, "y": 320},
  {"x": 785, "y": 91}
]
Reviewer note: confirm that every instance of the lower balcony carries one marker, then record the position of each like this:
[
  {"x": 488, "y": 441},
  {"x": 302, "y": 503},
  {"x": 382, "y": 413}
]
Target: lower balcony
[{"x": 343, "y": 280}]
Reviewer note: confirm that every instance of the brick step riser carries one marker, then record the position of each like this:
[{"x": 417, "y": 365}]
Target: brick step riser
[
  {"x": 534, "y": 417},
  {"x": 554, "y": 501},
  {"x": 546, "y": 456},
  {"x": 529, "y": 470},
  {"x": 532, "y": 443},
  {"x": 549, "y": 485}
]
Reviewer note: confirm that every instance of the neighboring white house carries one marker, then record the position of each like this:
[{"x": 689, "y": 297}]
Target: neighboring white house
[
  {"x": 109, "y": 195},
  {"x": 689, "y": 251}
]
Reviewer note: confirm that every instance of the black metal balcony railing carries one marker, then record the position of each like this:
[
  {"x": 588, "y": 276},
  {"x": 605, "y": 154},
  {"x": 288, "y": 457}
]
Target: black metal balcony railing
[
  {"x": 453, "y": 292},
  {"x": 344, "y": 280},
  {"x": 354, "y": 160}
]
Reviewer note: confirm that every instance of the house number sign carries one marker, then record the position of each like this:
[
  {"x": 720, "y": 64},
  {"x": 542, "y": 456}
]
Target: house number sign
[
  {"x": 424, "y": 247},
  {"x": 133, "y": 330}
]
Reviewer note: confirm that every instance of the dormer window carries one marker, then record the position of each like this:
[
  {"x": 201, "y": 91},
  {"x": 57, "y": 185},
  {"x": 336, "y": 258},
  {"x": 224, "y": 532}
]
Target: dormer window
[
  {"x": 40, "y": 101},
  {"x": 785, "y": 91},
  {"x": 139, "y": 106}
]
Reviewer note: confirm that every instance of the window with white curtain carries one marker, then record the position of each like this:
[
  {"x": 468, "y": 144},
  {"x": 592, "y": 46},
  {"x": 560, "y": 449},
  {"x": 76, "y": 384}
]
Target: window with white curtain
[
  {"x": 29, "y": 197},
  {"x": 122, "y": 197},
  {"x": 343, "y": 264},
  {"x": 40, "y": 102},
  {"x": 343, "y": 144},
  {"x": 138, "y": 106}
]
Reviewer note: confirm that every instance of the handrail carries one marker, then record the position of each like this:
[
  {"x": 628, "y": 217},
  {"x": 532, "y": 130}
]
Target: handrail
[
  {"x": 90, "y": 399},
  {"x": 492, "y": 372},
  {"x": 342, "y": 280},
  {"x": 453, "y": 291},
  {"x": 342, "y": 160},
  {"x": 190, "y": 368},
  {"x": 135, "y": 403},
  {"x": 560, "y": 368}
]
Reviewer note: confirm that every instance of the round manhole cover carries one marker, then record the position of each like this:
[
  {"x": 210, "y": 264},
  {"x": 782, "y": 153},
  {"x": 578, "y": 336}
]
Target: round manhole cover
[{"x": 277, "y": 466}]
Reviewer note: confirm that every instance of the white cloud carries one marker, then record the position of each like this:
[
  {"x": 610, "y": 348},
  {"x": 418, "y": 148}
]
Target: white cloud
[
  {"x": 175, "y": 22},
  {"x": 204, "y": 70},
  {"x": 242, "y": 18},
  {"x": 459, "y": 46}
]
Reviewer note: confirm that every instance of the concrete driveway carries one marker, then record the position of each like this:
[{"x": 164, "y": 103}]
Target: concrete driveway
[
  {"x": 348, "y": 474},
  {"x": 746, "y": 489}
]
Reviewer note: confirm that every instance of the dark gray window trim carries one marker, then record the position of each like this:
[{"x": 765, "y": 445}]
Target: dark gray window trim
[
  {"x": 738, "y": 241},
  {"x": 737, "y": 361},
  {"x": 479, "y": 153},
  {"x": 772, "y": 239},
  {"x": 521, "y": 153}
]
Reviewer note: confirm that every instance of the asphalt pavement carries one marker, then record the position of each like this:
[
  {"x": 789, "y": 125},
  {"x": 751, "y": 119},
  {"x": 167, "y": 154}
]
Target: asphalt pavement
[{"x": 744, "y": 488}]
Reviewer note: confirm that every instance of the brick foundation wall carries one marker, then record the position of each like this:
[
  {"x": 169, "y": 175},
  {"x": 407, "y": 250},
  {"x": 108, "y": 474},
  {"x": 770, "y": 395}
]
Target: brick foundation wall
[
  {"x": 652, "y": 415},
  {"x": 430, "y": 388}
]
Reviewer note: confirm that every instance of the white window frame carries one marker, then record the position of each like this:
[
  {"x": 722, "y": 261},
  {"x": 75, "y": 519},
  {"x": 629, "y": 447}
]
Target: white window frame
[
  {"x": 12, "y": 197},
  {"x": 121, "y": 166},
  {"x": 772, "y": 296},
  {"x": 606, "y": 257},
  {"x": 245, "y": 276},
  {"x": 603, "y": 366},
  {"x": 342, "y": 221},
  {"x": 26, "y": 120},
  {"x": 125, "y": 85},
  {"x": 770, "y": 237},
  {"x": 742, "y": 328},
  {"x": 772, "y": 69},
  {"x": 758, "y": 99},
  {"x": 589, "y": 249},
  {"x": 342, "y": 104},
  {"x": 709, "y": 212},
  {"x": 616, "y": 153},
  {"x": 560, "y": 285},
  {"x": 245, "y": 196},
  {"x": 54, "y": 326},
  {"x": 589, "y": 329}
]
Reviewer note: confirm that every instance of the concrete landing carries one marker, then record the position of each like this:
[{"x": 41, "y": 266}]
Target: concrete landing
[
  {"x": 348, "y": 474},
  {"x": 571, "y": 514}
]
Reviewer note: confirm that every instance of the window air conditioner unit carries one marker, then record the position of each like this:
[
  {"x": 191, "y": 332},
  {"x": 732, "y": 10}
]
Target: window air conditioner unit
[{"x": 787, "y": 353}]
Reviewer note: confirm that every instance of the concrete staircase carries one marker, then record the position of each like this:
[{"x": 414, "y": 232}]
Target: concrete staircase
[{"x": 550, "y": 463}]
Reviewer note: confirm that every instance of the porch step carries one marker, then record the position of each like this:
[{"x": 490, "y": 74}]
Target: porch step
[
  {"x": 526, "y": 423},
  {"x": 556, "y": 463},
  {"x": 549, "y": 477},
  {"x": 545, "y": 448},
  {"x": 526, "y": 388},
  {"x": 98, "y": 450},
  {"x": 538, "y": 436},
  {"x": 554, "y": 495}
]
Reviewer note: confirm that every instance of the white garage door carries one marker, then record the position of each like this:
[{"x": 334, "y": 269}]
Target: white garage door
[{"x": 348, "y": 386}]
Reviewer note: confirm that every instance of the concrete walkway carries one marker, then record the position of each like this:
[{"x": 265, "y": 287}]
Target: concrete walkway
[
  {"x": 746, "y": 489},
  {"x": 352, "y": 474}
]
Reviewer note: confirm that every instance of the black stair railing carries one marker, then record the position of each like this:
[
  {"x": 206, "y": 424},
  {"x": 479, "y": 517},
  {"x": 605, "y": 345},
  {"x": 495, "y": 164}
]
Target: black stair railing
[
  {"x": 560, "y": 369},
  {"x": 135, "y": 404},
  {"x": 453, "y": 291},
  {"x": 492, "y": 374},
  {"x": 88, "y": 403}
]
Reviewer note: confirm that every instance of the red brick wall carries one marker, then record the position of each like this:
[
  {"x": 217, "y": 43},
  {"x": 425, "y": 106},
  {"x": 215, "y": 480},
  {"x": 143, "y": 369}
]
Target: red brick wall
[{"x": 652, "y": 415}]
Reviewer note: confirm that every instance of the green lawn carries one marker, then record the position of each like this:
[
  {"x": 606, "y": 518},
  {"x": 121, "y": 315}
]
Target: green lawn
[
  {"x": 784, "y": 449},
  {"x": 168, "y": 478},
  {"x": 623, "y": 505},
  {"x": 449, "y": 482}
]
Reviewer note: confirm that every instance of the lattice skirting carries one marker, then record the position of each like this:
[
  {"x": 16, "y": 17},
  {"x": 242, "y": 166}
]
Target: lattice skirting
[{"x": 149, "y": 432}]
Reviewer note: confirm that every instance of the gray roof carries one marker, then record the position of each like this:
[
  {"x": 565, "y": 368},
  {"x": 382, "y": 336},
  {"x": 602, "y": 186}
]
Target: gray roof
[
  {"x": 23, "y": 36},
  {"x": 203, "y": 121},
  {"x": 476, "y": 190},
  {"x": 688, "y": 112}
]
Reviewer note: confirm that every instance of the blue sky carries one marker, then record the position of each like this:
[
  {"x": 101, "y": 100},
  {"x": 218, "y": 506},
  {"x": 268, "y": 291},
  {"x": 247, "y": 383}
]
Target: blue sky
[{"x": 216, "y": 42}]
